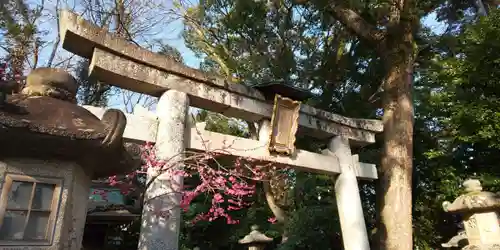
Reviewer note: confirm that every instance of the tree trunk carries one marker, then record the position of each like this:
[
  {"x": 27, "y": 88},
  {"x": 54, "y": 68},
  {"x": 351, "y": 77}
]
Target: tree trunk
[
  {"x": 395, "y": 229},
  {"x": 278, "y": 212},
  {"x": 396, "y": 46}
]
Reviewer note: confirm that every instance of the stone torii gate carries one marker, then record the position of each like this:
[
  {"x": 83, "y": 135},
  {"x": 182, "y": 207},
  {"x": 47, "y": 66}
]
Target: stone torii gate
[{"x": 123, "y": 64}]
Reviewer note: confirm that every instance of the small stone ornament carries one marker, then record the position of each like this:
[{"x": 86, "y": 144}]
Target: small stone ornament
[
  {"x": 479, "y": 212},
  {"x": 255, "y": 240}
]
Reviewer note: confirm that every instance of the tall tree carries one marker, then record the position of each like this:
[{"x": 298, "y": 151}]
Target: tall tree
[
  {"x": 257, "y": 42},
  {"x": 90, "y": 91},
  {"x": 392, "y": 36},
  {"x": 394, "y": 30},
  {"x": 383, "y": 43},
  {"x": 390, "y": 31},
  {"x": 21, "y": 36}
]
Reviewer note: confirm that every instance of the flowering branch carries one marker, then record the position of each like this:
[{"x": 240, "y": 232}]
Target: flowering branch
[
  {"x": 231, "y": 188},
  {"x": 8, "y": 84}
]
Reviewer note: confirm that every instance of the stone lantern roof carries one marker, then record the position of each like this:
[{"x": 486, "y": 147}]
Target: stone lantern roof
[
  {"x": 44, "y": 122},
  {"x": 255, "y": 237},
  {"x": 474, "y": 200}
]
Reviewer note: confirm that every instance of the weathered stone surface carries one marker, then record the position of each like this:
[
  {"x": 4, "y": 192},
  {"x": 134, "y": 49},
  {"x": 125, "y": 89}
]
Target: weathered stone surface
[
  {"x": 460, "y": 240},
  {"x": 479, "y": 213},
  {"x": 474, "y": 200},
  {"x": 139, "y": 128},
  {"x": 51, "y": 82},
  {"x": 255, "y": 240},
  {"x": 482, "y": 247},
  {"x": 128, "y": 74},
  {"x": 352, "y": 221},
  {"x": 46, "y": 126},
  {"x": 42, "y": 114},
  {"x": 72, "y": 203},
  {"x": 255, "y": 237},
  {"x": 202, "y": 139},
  {"x": 163, "y": 196},
  {"x": 151, "y": 70},
  {"x": 482, "y": 228},
  {"x": 78, "y": 207}
]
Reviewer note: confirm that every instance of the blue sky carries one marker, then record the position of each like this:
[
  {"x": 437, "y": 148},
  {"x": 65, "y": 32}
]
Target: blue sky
[
  {"x": 189, "y": 58},
  {"x": 168, "y": 31},
  {"x": 171, "y": 34}
]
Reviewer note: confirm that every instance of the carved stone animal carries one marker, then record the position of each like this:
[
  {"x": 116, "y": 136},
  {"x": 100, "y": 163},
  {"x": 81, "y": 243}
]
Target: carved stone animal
[{"x": 51, "y": 82}]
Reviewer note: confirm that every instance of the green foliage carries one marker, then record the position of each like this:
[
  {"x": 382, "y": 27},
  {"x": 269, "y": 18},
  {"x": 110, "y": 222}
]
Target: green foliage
[
  {"x": 313, "y": 227},
  {"x": 90, "y": 91},
  {"x": 17, "y": 19},
  {"x": 20, "y": 35},
  {"x": 455, "y": 128},
  {"x": 469, "y": 99},
  {"x": 222, "y": 124},
  {"x": 218, "y": 234},
  {"x": 455, "y": 94},
  {"x": 455, "y": 97},
  {"x": 170, "y": 51}
]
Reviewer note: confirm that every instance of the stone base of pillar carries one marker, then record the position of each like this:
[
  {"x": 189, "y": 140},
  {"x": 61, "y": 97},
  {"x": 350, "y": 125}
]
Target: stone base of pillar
[{"x": 482, "y": 247}]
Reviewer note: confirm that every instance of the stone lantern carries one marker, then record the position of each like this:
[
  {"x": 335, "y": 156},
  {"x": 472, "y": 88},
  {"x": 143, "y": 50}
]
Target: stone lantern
[
  {"x": 479, "y": 210},
  {"x": 255, "y": 240},
  {"x": 50, "y": 150}
]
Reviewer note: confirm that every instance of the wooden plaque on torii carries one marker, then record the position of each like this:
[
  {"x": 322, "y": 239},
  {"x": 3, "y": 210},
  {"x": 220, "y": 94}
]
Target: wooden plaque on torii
[{"x": 284, "y": 125}]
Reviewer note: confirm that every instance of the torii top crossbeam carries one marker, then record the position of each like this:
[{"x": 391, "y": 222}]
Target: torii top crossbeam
[{"x": 121, "y": 63}]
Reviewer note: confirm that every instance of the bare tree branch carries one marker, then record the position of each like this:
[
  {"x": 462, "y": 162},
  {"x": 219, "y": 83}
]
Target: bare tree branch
[
  {"x": 66, "y": 61},
  {"x": 58, "y": 39},
  {"x": 354, "y": 22}
]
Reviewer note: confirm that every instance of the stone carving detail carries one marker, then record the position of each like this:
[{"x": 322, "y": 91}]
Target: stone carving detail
[
  {"x": 255, "y": 240},
  {"x": 483, "y": 247},
  {"x": 51, "y": 82},
  {"x": 44, "y": 121},
  {"x": 471, "y": 223},
  {"x": 459, "y": 240},
  {"x": 479, "y": 210},
  {"x": 473, "y": 200}
]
